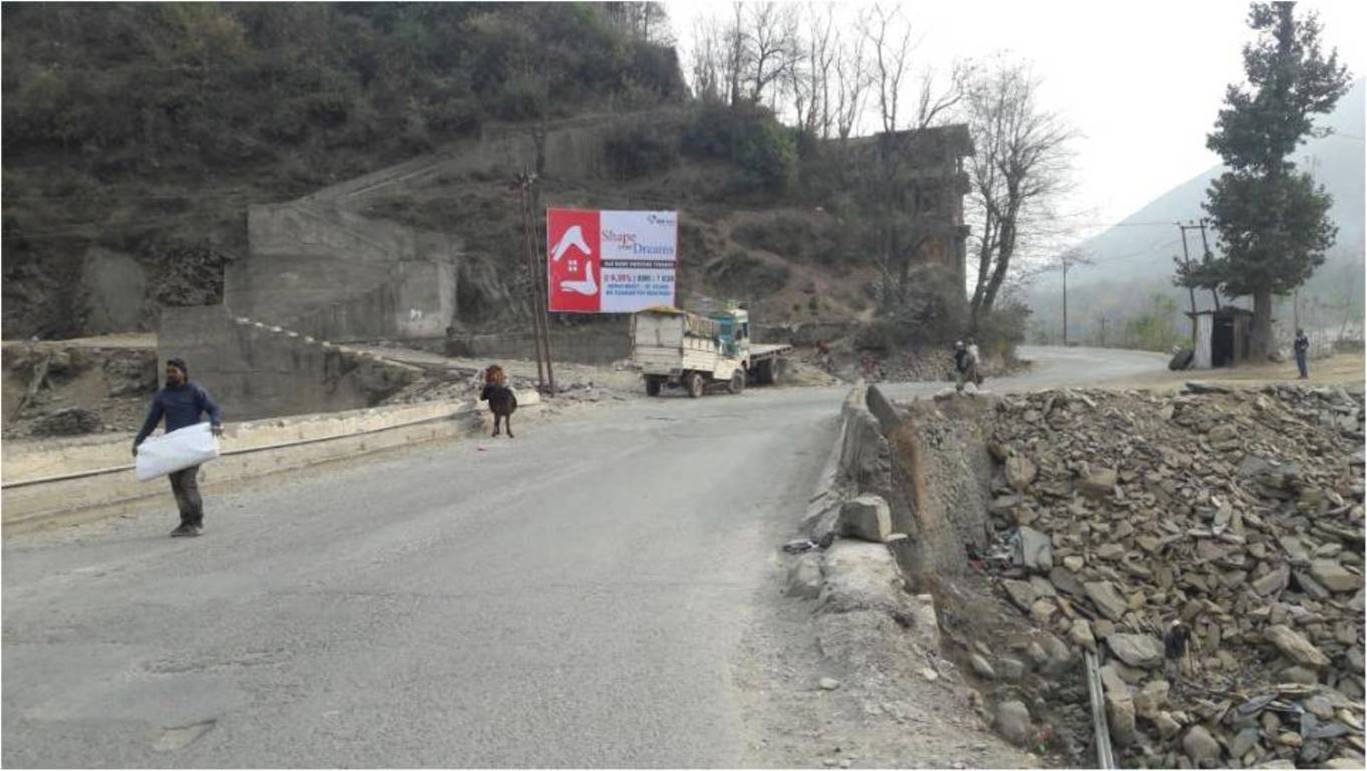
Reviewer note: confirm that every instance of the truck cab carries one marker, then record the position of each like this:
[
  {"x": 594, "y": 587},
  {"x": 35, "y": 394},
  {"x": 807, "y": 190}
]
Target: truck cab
[{"x": 733, "y": 328}]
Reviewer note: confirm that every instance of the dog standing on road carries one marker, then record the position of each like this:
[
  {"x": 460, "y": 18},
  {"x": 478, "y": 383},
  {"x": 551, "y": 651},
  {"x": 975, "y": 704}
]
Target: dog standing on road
[{"x": 502, "y": 401}]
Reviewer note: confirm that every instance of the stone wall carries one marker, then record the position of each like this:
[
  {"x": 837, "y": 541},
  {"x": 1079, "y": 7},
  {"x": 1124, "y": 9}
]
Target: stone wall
[{"x": 254, "y": 371}]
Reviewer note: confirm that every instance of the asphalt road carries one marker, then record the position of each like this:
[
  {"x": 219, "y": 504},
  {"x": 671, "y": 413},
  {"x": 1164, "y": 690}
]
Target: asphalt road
[{"x": 572, "y": 597}]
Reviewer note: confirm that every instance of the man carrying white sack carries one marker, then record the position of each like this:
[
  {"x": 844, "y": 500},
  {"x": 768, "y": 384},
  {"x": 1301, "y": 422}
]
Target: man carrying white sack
[{"x": 182, "y": 403}]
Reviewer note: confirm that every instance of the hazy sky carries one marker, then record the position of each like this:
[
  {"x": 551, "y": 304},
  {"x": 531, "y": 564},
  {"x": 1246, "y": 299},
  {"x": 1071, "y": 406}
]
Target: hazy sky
[{"x": 1142, "y": 82}]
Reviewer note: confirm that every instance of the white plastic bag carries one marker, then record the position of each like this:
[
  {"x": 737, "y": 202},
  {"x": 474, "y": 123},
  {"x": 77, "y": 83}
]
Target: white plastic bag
[{"x": 180, "y": 449}]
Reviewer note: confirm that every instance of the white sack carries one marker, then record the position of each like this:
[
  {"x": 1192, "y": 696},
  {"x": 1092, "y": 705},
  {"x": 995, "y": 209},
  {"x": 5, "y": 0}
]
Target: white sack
[{"x": 180, "y": 449}]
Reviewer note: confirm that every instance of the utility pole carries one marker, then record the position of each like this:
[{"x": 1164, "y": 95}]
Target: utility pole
[
  {"x": 1205, "y": 256},
  {"x": 1066, "y": 263},
  {"x": 1191, "y": 291},
  {"x": 540, "y": 321}
]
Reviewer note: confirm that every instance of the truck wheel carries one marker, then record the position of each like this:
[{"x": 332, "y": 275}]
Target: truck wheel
[
  {"x": 652, "y": 386},
  {"x": 695, "y": 384},
  {"x": 766, "y": 372},
  {"x": 737, "y": 383}
]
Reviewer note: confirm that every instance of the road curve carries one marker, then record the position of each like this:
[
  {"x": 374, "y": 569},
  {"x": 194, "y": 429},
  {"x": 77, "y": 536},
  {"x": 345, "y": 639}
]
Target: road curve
[{"x": 572, "y": 597}]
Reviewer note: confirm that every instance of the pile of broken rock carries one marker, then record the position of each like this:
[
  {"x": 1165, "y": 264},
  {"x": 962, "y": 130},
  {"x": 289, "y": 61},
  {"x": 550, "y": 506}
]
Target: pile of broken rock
[{"x": 1239, "y": 512}]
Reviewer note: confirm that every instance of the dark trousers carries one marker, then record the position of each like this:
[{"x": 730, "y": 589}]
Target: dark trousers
[
  {"x": 1301, "y": 365},
  {"x": 185, "y": 485}
]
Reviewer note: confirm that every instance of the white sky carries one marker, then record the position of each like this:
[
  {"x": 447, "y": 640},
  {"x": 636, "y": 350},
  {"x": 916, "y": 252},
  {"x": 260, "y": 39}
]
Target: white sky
[{"x": 1142, "y": 82}]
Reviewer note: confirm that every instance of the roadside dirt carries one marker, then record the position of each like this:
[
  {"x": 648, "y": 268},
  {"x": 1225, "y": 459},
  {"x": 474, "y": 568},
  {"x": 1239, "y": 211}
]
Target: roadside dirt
[{"x": 885, "y": 714}]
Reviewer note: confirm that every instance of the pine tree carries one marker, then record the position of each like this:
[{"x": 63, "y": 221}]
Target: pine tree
[{"x": 1271, "y": 219}]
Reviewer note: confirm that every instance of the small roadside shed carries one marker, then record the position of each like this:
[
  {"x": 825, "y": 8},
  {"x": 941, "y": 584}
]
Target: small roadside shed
[{"x": 1221, "y": 337}]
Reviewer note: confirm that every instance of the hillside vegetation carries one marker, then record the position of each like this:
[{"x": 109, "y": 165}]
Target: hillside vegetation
[{"x": 144, "y": 130}]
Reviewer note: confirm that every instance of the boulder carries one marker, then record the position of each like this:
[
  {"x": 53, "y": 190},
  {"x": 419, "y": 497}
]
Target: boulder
[
  {"x": 1107, "y": 599},
  {"x": 1151, "y": 699},
  {"x": 1098, "y": 483},
  {"x": 1167, "y": 726},
  {"x": 1200, "y": 745},
  {"x": 1295, "y": 647},
  {"x": 1244, "y": 741},
  {"x": 1332, "y": 576},
  {"x": 1020, "y": 472},
  {"x": 1037, "y": 551},
  {"x": 1273, "y": 582},
  {"x": 804, "y": 577},
  {"x": 982, "y": 667},
  {"x": 1120, "y": 717},
  {"x": 1223, "y": 433},
  {"x": 1009, "y": 669},
  {"x": 862, "y": 576},
  {"x": 1137, "y": 650},
  {"x": 1022, "y": 593},
  {"x": 866, "y": 517},
  {"x": 1013, "y": 722},
  {"x": 1081, "y": 634}
]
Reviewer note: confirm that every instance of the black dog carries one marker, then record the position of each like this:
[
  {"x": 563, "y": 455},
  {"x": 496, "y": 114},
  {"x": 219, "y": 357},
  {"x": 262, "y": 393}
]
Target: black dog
[{"x": 502, "y": 401}]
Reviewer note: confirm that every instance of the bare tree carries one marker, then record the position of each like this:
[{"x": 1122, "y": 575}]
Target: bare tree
[
  {"x": 889, "y": 35},
  {"x": 707, "y": 59},
  {"x": 644, "y": 20},
  {"x": 808, "y": 80},
  {"x": 772, "y": 37},
  {"x": 1020, "y": 166},
  {"x": 851, "y": 83}
]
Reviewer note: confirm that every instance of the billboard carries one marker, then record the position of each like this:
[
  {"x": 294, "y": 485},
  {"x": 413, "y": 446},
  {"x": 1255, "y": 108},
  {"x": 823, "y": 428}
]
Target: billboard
[{"x": 602, "y": 261}]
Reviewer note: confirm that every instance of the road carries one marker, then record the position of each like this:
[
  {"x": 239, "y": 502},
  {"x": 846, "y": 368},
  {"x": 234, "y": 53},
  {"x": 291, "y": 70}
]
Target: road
[{"x": 573, "y": 597}]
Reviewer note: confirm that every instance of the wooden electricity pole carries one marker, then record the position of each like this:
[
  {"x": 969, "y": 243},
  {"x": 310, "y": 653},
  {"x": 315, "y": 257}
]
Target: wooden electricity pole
[
  {"x": 1191, "y": 290},
  {"x": 540, "y": 319},
  {"x": 1205, "y": 255}
]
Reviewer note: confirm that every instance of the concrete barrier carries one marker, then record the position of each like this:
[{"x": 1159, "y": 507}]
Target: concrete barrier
[{"x": 93, "y": 478}]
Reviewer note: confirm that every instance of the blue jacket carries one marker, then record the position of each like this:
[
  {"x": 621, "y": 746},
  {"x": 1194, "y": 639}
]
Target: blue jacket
[{"x": 182, "y": 407}]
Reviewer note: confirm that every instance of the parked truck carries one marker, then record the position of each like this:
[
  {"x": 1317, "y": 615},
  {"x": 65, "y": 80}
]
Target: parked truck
[{"x": 677, "y": 349}]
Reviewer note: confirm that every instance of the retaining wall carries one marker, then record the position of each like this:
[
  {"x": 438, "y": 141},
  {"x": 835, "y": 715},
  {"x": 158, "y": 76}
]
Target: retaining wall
[
  {"x": 93, "y": 477},
  {"x": 255, "y": 371}
]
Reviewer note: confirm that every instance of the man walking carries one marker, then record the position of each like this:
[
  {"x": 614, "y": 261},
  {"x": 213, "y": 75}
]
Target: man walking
[
  {"x": 1302, "y": 347},
  {"x": 182, "y": 403},
  {"x": 965, "y": 365}
]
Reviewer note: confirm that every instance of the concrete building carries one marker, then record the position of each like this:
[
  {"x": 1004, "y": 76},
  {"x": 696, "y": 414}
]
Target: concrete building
[{"x": 930, "y": 186}]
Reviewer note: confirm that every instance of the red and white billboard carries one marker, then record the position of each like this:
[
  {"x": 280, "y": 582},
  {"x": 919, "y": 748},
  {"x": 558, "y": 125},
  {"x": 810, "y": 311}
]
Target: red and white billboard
[{"x": 610, "y": 261}]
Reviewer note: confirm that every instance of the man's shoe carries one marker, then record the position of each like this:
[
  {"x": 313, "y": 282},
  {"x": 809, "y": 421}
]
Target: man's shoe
[
  {"x": 183, "y": 531},
  {"x": 196, "y": 529}
]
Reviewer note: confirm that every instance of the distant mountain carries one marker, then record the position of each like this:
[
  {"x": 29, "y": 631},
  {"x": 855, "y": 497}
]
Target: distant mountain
[{"x": 1134, "y": 258}]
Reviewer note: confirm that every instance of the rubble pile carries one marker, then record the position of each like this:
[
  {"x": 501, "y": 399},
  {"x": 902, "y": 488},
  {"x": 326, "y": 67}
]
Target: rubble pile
[{"x": 1238, "y": 512}]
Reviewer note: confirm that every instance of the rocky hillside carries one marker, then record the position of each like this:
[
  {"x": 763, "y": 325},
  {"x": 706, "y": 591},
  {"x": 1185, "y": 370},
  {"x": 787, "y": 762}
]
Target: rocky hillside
[{"x": 1239, "y": 513}]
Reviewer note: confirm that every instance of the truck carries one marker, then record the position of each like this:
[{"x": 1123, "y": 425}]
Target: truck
[{"x": 677, "y": 349}]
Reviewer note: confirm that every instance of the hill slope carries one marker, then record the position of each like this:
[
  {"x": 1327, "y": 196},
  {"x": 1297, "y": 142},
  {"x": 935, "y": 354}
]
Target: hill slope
[{"x": 1134, "y": 258}]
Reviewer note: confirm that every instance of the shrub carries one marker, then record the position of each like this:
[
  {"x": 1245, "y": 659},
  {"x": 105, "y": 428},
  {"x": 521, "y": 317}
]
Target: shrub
[
  {"x": 637, "y": 149},
  {"x": 741, "y": 274}
]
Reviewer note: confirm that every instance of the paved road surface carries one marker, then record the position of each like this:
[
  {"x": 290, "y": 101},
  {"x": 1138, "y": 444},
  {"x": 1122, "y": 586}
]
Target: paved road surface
[{"x": 571, "y": 597}]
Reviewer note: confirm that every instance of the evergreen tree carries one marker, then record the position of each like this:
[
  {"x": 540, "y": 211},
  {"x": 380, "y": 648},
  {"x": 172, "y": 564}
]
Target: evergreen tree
[{"x": 1271, "y": 219}]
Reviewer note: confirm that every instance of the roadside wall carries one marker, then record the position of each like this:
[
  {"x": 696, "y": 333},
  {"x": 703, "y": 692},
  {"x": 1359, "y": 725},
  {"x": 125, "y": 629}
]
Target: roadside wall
[
  {"x": 256, "y": 371},
  {"x": 932, "y": 469},
  {"x": 319, "y": 269},
  {"x": 104, "y": 482},
  {"x": 597, "y": 344}
]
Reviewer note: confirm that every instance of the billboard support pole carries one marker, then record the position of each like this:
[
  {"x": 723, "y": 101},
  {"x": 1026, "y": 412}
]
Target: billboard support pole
[{"x": 541, "y": 321}]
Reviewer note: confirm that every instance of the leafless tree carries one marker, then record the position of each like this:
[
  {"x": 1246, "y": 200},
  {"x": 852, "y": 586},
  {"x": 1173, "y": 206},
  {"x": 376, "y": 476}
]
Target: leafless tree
[
  {"x": 851, "y": 83},
  {"x": 771, "y": 32},
  {"x": 1020, "y": 166},
  {"x": 646, "y": 21},
  {"x": 808, "y": 80},
  {"x": 889, "y": 36}
]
